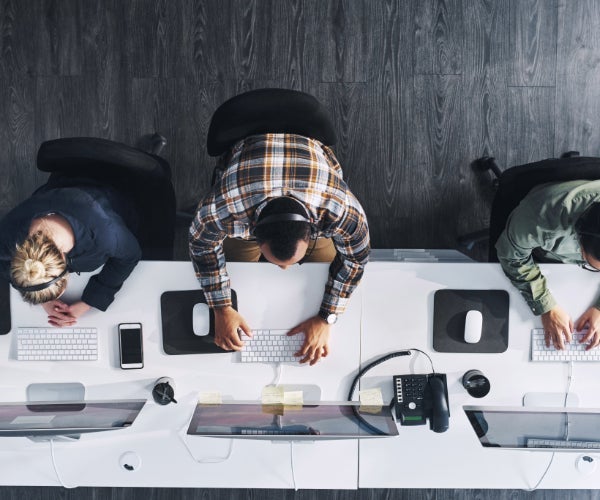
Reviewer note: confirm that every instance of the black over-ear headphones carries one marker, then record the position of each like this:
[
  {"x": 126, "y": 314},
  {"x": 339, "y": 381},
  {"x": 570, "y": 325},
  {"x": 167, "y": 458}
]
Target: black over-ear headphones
[{"x": 289, "y": 217}]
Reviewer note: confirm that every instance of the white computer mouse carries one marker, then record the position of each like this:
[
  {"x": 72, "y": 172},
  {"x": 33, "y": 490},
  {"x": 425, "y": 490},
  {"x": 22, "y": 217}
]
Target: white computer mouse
[
  {"x": 201, "y": 319},
  {"x": 473, "y": 325}
]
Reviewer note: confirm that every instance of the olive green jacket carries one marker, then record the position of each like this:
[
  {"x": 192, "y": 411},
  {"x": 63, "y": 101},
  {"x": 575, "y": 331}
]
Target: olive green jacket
[{"x": 543, "y": 226}]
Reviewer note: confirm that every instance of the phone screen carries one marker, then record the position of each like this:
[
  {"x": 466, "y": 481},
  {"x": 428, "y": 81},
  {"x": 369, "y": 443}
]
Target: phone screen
[{"x": 131, "y": 345}]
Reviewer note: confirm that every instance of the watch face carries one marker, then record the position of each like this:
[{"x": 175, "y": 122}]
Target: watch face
[{"x": 331, "y": 319}]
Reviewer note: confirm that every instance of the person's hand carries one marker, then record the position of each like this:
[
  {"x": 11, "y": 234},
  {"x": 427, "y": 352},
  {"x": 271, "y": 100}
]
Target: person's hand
[
  {"x": 316, "y": 339},
  {"x": 61, "y": 314},
  {"x": 591, "y": 318},
  {"x": 557, "y": 323},
  {"x": 227, "y": 323}
]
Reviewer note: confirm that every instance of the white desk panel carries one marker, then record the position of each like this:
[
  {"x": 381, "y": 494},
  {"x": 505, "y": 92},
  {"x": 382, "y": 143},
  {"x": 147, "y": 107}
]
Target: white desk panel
[
  {"x": 268, "y": 297},
  {"x": 398, "y": 314}
]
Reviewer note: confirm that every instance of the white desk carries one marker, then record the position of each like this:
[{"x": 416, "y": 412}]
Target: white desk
[
  {"x": 398, "y": 314},
  {"x": 391, "y": 310},
  {"x": 268, "y": 297}
]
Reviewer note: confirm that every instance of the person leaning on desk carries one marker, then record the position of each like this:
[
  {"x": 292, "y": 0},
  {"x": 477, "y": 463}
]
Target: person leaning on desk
[
  {"x": 263, "y": 176},
  {"x": 558, "y": 222},
  {"x": 68, "y": 228}
]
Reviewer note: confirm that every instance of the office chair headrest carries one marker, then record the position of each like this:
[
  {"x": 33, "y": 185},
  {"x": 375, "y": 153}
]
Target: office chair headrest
[
  {"x": 75, "y": 155},
  {"x": 265, "y": 111}
]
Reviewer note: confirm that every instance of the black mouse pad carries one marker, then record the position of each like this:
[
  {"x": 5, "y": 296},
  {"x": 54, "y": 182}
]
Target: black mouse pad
[
  {"x": 449, "y": 312},
  {"x": 5, "y": 323},
  {"x": 177, "y": 330}
]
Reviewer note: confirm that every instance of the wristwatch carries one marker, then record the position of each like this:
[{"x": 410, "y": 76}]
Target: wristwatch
[{"x": 330, "y": 318}]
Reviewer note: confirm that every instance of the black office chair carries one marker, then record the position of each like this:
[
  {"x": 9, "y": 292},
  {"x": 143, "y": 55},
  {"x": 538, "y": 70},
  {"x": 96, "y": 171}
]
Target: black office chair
[
  {"x": 266, "y": 111},
  {"x": 514, "y": 183},
  {"x": 145, "y": 178}
]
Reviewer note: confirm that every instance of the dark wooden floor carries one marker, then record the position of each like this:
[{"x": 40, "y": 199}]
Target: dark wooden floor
[{"x": 417, "y": 90}]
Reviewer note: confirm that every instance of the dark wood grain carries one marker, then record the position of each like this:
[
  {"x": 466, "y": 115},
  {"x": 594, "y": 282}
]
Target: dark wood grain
[
  {"x": 578, "y": 78},
  {"x": 533, "y": 35},
  {"x": 530, "y": 124},
  {"x": 485, "y": 94},
  {"x": 439, "y": 32},
  {"x": 57, "y": 36},
  {"x": 344, "y": 40},
  {"x": 17, "y": 154}
]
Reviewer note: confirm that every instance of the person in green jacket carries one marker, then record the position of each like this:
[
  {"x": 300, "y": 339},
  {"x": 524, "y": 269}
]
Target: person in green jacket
[{"x": 556, "y": 222}]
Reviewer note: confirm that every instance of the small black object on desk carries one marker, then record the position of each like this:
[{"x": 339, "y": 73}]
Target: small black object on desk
[{"x": 164, "y": 391}]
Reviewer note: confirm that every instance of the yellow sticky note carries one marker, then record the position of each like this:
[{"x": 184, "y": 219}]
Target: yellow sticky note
[
  {"x": 371, "y": 397},
  {"x": 293, "y": 398},
  {"x": 272, "y": 395},
  {"x": 210, "y": 398}
]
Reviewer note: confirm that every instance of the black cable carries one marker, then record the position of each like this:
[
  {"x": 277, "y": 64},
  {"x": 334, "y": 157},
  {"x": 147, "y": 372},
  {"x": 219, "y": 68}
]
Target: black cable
[{"x": 374, "y": 364}]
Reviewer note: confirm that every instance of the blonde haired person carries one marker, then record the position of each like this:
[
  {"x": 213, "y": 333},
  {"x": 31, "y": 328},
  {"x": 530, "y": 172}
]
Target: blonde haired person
[{"x": 62, "y": 229}]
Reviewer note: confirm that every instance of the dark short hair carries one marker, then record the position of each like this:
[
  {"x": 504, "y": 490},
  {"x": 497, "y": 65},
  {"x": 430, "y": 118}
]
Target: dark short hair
[
  {"x": 588, "y": 230},
  {"x": 282, "y": 236}
]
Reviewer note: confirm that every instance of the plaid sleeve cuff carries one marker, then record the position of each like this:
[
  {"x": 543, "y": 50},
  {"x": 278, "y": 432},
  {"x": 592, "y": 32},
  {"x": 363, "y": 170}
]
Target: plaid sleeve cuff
[
  {"x": 218, "y": 298},
  {"x": 332, "y": 305}
]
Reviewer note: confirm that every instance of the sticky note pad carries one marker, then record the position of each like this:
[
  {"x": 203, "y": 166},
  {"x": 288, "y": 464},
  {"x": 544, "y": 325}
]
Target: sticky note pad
[
  {"x": 293, "y": 398},
  {"x": 272, "y": 395},
  {"x": 371, "y": 397},
  {"x": 210, "y": 398}
]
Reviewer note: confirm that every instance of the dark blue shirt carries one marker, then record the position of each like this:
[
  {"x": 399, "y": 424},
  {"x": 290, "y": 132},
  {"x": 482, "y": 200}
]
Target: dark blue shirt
[{"x": 101, "y": 237}]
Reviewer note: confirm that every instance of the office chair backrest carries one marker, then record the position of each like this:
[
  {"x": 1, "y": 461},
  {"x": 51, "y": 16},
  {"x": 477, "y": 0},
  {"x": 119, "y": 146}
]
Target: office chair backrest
[
  {"x": 265, "y": 111},
  {"x": 103, "y": 157},
  {"x": 144, "y": 177},
  {"x": 516, "y": 182}
]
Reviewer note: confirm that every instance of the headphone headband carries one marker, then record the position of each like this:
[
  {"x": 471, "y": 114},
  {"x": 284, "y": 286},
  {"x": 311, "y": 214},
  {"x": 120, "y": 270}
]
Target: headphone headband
[
  {"x": 39, "y": 286},
  {"x": 269, "y": 219}
]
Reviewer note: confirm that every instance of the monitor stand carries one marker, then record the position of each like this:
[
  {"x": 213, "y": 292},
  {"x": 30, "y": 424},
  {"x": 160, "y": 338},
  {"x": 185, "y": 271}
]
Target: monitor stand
[
  {"x": 52, "y": 393},
  {"x": 550, "y": 400}
]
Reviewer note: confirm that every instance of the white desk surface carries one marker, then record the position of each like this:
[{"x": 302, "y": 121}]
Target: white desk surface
[
  {"x": 397, "y": 313},
  {"x": 268, "y": 297},
  {"x": 391, "y": 310}
]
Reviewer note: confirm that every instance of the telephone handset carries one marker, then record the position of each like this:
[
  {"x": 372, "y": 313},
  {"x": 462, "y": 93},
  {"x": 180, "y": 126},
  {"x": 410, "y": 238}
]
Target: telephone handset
[{"x": 421, "y": 397}]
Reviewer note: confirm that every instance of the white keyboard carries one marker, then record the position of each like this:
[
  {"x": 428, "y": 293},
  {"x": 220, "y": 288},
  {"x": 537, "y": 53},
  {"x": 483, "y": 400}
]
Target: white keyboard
[
  {"x": 567, "y": 445},
  {"x": 573, "y": 351},
  {"x": 271, "y": 346},
  {"x": 57, "y": 344}
]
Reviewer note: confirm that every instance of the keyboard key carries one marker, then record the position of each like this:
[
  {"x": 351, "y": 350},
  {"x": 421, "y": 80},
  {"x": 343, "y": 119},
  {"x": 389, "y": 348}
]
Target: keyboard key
[
  {"x": 574, "y": 350},
  {"x": 271, "y": 346},
  {"x": 57, "y": 344}
]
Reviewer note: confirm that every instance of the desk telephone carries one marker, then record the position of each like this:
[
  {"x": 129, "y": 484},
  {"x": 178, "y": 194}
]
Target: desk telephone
[{"x": 421, "y": 397}]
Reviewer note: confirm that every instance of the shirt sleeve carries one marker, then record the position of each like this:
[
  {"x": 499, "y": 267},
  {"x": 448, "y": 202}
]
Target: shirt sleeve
[
  {"x": 102, "y": 287},
  {"x": 206, "y": 237},
  {"x": 351, "y": 239},
  {"x": 514, "y": 248}
]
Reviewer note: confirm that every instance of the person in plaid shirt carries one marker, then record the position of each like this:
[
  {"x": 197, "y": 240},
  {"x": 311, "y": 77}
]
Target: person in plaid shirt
[{"x": 260, "y": 177}]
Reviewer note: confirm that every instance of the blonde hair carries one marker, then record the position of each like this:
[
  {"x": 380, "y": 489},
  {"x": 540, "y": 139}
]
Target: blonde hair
[{"x": 36, "y": 261}]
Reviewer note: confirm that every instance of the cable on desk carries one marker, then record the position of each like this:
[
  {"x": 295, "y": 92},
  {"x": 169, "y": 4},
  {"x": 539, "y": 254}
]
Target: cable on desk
[
  {"x": 208, "y": 460},
  {"x": 58, "y": 476},
  {"x": 426, "y": 355},
  {"x": 292, "y": 465},
  {"x": 567, "y": 425},
  {"x": 278, "y": 372}
]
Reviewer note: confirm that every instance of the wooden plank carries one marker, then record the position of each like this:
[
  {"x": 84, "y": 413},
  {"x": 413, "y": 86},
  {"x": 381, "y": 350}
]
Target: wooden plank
[
  {"x": 533, "y": 36},
  {"x": 343, "y": 40},
  {"x": 57, "y": 36},
  {"x": 578, "y": 78},
  {"x": 17, "y": 155},
  {"x": 439, "y": 34},
  {"x": 530, "y": 131}
]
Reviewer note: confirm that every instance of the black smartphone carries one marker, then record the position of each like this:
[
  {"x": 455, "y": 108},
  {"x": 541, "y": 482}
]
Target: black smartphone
[{"x": 130, "y": 346}]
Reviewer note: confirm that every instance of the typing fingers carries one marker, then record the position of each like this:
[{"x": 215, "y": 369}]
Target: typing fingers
[{"x": 593, "y": 337}]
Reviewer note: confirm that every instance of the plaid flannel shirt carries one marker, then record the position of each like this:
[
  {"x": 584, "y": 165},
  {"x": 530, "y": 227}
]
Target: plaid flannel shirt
[{"x": 263, "y": 167}]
